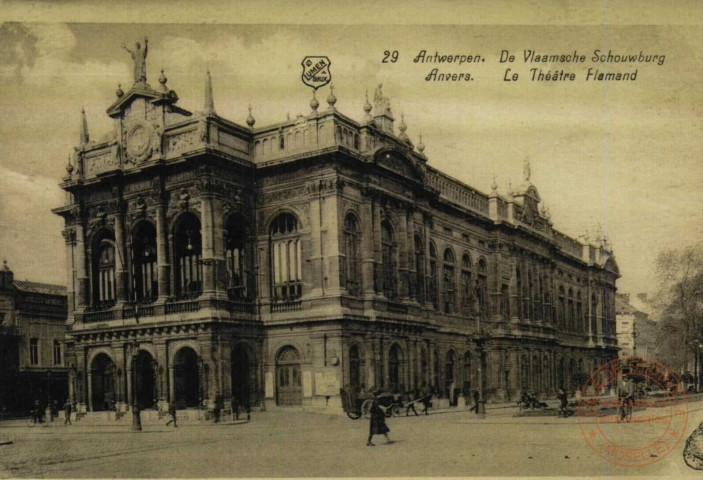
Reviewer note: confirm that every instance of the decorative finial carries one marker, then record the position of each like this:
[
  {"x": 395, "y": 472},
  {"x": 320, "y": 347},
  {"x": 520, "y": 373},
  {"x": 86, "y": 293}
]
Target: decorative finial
[
  {"x": 314, "y": 103},
  {"x": 4, "y": 264},
  {"x": 163, "y": 80},
  {"x": 288, "y": 116},
  {"x": 494, "y": 185},
  {"x": 331, "y": 99},
  {"x": 209, "y": 102},
  {"x": 85, "y": 137},
  {"x": 421, "y": 146},
  {"x": 526, "y": 172},
  {"x": 119, "y": 91},
  {"x": 250, "y": 119},
  {"x": 69, "y": 166},
  {"x": 403, "y": 127},
  {"x": 368, "y": 107}
]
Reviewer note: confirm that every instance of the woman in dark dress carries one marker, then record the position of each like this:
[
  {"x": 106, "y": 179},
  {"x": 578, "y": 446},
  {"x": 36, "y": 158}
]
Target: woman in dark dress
[{"x": 378, "y": 423}]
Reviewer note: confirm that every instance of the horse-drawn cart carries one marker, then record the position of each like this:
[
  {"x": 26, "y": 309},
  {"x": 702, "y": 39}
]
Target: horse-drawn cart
[{"x": 357, "y": 403}]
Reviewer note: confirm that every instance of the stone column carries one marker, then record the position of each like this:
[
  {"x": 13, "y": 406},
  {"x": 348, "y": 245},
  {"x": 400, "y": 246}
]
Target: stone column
[
  {"x": 162, "y": 256},
  {"x": 377, "y": 246},
  {"x": 412, "y": 272},
  {"x": 171, "y": 383},
  {"x": 367, "y": 247},
  {"x": 128, "y": 378},
  {"x": 70, "y": 237},
  {"x": 82, "y": 296},
  {"x": 428, "y": 277},
  {"x": 316, "y": 247},
  {"x": 208, "y": 245},
  {"x": 330, "y": 225},
  {"x": 403, "y": 290},
  {"x": 118, "y": 355},
  {"x": 513, "y": 292},
  {"x": 121, "y": 260},
  {"x": 162, "y": 374}
]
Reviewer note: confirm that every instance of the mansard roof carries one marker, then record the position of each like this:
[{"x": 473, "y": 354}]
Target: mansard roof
[{"x": 41, "y": 288}]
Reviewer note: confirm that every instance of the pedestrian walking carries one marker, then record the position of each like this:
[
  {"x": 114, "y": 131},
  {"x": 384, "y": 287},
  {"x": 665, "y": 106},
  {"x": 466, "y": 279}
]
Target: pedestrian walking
[
  {"x": 477, "y": 397},
  {"x": 235, "y": 407},
  {"x": 412, "y": 397},
  {"x": 37, "y": 412},
  {"x": 378, "y": 423},
  {"x": 172, "y": 412},
  {"x": 562, "y": 396},
  {"x": 67, "y": 408}
]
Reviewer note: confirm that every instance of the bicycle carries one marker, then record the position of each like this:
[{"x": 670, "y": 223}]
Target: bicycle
[{"x": 625, "y": 410}]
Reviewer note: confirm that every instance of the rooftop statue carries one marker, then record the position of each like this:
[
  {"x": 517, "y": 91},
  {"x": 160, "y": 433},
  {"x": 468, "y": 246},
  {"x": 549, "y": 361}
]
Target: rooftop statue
[
  {"x": 382, "y": 104},
  {"x": 139, "y": 59}
]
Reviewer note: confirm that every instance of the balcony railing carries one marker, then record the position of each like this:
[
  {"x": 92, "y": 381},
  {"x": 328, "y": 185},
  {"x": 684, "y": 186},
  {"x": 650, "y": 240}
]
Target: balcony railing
[
  {"x": 286, "y": 306},
  {"x": 139, "y": 311},
  {"x": 182, "y": 307},
  {"x": 99, "y": 316}
]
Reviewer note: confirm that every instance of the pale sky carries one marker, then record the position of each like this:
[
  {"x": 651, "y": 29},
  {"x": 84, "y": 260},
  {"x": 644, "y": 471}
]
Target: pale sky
[{"x": 626, "y": 155}]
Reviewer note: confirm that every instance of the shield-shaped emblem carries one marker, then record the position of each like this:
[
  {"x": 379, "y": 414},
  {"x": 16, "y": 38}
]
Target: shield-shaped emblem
[{"x": 316, "y": 71}]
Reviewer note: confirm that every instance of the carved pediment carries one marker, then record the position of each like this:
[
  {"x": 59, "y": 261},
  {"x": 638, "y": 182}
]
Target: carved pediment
[{"x": 399, "y": 163}]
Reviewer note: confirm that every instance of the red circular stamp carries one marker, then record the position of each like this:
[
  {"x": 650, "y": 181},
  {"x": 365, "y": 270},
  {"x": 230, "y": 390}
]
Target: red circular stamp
[{"x": 633, "y": 411}]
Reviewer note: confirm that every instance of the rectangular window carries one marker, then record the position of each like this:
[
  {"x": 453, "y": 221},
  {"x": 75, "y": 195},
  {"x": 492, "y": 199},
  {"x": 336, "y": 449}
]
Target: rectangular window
[
  {"x": 34, "y": 351},
  {"x": 57, "y": 353}
]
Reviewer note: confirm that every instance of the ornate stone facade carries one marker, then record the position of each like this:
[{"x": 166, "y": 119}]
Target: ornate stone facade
[{"x": 274, "y": 265}]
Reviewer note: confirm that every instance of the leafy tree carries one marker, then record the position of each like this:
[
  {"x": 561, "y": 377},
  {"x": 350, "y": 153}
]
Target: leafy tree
[{"x": 680, "y": 304}]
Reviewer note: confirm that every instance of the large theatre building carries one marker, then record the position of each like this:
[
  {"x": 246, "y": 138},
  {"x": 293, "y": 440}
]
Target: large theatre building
[{"x": 208, "y": 259}]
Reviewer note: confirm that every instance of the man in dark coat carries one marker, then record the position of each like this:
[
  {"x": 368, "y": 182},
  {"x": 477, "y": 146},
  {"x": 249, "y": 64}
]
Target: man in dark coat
[
  {"x": 378, "y": 423},
  {"x": 67, "y": 407},
  {"x": 476, "y": 399},
  {"x": 562, "y": 396},
  {"x": 172, "y": 412}
]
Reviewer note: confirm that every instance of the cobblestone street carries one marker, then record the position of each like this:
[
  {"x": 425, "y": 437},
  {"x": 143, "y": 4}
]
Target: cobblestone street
[{"x": 294, "y": 443}]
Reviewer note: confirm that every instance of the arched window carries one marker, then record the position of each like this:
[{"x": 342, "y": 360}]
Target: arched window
[
  {"x": 524, "y": 373},
  {"x": 570, "y": 312},
  {"x": 104, "y": 286},
  {"x": 449, "y": 283},
  {"x": 236, "y": 258},
  {"x": 467, "y": 375},
  {"x": 432, "y": 287},
  {"x": 286, "y": 258},
  {"x": 482, "y": 288},
  {"x": 505, "y": 302},
  {"x": 145, "y": 285},
  {"x": 561, "y": 307},
  {"x": 580, "y": 320},
  {"x": 188, "y": 249},
  {"x": 530, "y": 296},
  {"x": 388, "y": 258},
  {"x": 594, "y": 314},
  {"x": 419, "y": 270},
  {"x": 466, "y": 294},
  {"x": 351, "y": 266}
]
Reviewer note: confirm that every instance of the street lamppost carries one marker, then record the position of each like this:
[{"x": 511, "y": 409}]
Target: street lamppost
[
  {"x": 479, "y": 338},
  {"x": 136, "y": 419}
]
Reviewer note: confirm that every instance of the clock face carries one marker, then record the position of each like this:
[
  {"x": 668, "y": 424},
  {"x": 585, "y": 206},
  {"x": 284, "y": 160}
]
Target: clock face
[{"x": 138, "y": 140}]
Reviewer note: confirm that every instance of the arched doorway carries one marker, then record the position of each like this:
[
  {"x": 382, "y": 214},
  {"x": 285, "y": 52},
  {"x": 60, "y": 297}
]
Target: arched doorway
[
  {"x": 146, "y": 382},
  {"x": 102, "y": 372},
  {"x": 395, "y": 358},
  {"x": 354, "y": 367},
  {"x": 289, "y": 390},
  {"x": 244, "y": 368},
  {"x": 449, "y": 385},
  {"x": 186, "y": 378}
]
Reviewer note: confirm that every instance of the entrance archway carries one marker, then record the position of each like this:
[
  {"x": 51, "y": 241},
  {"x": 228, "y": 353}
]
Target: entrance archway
[
  {"x": 102, "y": 373},
  {"x": 395, "y": 375},
  {"x": 354, "y": 367},
  {"x": 244, "y": 368},
  {"x": 186, "y": 378},
  {"x": 289, "y": 390},
  {"x": 146, "y": 382}
]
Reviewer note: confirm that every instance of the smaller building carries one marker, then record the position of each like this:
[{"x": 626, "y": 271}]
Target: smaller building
[
  {"x": 32, "y": 329},
  {"x": 636, "y": 332}
]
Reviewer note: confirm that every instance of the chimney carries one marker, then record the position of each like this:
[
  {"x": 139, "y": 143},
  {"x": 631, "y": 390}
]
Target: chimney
[
  {"x": 6, "y": 276},
  {"x": 625, "y": 297},
  {"x": 642, "y": 297}
]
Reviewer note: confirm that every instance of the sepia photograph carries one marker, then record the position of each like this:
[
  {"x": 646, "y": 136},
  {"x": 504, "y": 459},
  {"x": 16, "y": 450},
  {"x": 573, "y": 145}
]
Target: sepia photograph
[{"x": 417, "y": 240}]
